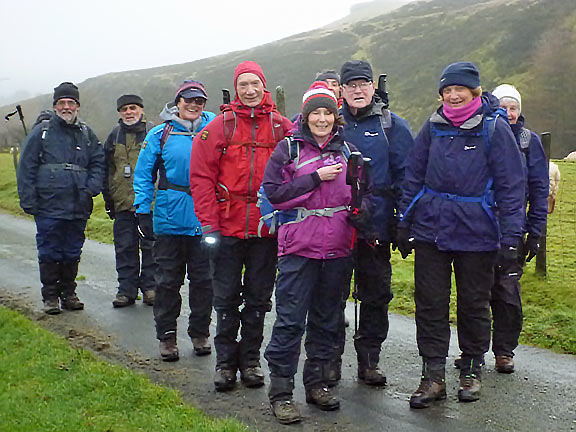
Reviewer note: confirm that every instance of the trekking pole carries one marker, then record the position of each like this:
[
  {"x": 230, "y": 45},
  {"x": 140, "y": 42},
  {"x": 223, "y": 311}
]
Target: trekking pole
[
  {"x": 381, "y": 90},
  {"x": 541, "y": 254},
  {"x": 280, "y": 100},
  {"x": 18, "y": 111},
  {"x": 225, "y": 99}
]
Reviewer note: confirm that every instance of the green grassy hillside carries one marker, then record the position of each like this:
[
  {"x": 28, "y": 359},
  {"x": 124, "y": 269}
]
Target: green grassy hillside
[{"x": 530, "y": 43}]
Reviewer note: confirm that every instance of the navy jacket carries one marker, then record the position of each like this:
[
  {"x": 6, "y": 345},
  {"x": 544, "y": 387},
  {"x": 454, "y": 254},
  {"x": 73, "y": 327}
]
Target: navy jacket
[
  {"x": 59, "y": 174},
  {"x": 457, "y": 162},
  {"x": 388, "y": 151},
  {"x": 537, "y": 182}
]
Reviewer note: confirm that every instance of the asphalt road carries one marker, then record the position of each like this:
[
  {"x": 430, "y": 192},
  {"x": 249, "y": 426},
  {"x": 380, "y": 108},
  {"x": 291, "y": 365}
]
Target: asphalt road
[{"x": 540, "y": 396}]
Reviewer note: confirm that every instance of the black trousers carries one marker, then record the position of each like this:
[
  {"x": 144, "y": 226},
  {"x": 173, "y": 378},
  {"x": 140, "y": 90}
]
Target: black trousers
[
  {"x": 506, "y": 306},
  {"x": 243, "y": 277},
  {"x": 133, "y": 273},
  {"x": 176, "y": 256},
  {"x": 474, "y": 274},
  {"x": 373, "y": 274},
  {"x": 308, "y": 297}
]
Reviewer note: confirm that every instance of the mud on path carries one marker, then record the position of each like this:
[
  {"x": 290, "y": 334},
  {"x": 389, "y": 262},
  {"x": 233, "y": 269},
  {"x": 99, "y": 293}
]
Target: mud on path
[{"x": 538, "y": 397}]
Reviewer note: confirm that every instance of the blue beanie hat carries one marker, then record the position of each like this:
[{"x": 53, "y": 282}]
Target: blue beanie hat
[{"x": 462, "y": 73}]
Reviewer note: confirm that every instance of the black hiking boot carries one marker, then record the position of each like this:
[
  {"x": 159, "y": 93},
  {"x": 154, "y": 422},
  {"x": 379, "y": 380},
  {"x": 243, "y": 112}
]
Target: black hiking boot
[
  {"x": 323, "y": 398},
  {"x": 334, "y": 373},
  {"x": 224, "y": 379},
  {"x": 286, "y": 411}
]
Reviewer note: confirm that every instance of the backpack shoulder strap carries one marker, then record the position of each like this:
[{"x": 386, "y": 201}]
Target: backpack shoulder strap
[
  {"x": 293, "y": 150},
  {"x": 168, "y": 127},
  {"x": 276, "y": 117},
  {"x": 346, "y": 151},
  {"x": 386, "y": 122},
  {"x": 230, "y": 124}
]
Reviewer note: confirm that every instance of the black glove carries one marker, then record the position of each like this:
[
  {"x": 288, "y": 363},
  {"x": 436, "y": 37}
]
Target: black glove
[
  {"x": 145, "y": 226},
  {"x": 109, "y": 206},
  {"x": 211, "y": 239},
  {"x": 531, "y": 247},
  {"x": 404, "y": 242},
  {"x": 360, "y": 219},
  {"x": 506, "y": 256}
]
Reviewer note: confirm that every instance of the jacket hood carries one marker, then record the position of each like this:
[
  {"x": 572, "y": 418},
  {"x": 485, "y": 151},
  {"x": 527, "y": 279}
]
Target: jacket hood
[
  {"x": 170, "y": 113},
  {"x": 266, "y": 106}
]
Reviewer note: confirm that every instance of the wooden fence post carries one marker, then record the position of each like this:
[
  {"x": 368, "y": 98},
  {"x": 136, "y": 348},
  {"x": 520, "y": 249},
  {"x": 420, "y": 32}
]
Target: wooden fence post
[{"x": 280, "y": 101}]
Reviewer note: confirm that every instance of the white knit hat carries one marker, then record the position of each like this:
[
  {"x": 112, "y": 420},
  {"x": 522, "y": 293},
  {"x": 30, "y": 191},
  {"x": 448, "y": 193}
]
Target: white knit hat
[{"x": 508, "y": 91}]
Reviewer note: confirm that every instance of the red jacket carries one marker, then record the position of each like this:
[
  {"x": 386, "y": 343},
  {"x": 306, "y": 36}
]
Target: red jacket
[{"x": 227, "y": 166}]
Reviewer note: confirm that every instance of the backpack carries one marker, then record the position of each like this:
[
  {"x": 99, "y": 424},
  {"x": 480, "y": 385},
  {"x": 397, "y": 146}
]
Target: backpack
[
  {"x": 273, "y": 218},
  {"x": 43, "y": 119}
]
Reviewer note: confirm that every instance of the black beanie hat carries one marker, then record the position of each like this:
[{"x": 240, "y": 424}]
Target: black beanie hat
[
  {"x": 328, "y": 74},
  {"x": 129, "y": 99},
  {"x": 66, "y": 90},
  {"x": 462, "y": 73},
  {"x": 355, "y": 69}
]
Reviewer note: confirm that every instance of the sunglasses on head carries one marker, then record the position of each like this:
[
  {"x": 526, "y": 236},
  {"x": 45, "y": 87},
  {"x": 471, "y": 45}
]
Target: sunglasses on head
[{"x": 195, "y": 100}]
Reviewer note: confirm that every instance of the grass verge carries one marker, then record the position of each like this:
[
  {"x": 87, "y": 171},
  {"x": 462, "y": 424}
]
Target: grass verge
[{"x": 50, "y": 386}]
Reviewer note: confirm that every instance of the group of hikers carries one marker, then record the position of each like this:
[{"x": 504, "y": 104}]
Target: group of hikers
[{"x": 346, "y": 181}]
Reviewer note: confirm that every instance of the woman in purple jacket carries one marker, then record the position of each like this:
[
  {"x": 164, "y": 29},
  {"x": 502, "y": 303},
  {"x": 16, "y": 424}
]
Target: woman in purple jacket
[{"x": 314, "y": 251}]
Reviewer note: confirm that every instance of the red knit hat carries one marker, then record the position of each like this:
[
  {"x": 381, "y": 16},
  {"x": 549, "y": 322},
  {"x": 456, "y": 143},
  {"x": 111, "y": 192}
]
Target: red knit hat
[
  {"x": 249, "y": 67},
  {"x": 319, "y": 96}
]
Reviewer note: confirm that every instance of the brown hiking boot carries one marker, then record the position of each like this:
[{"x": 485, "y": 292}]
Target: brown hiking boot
[
  {"x": 169, "y": 350},
  {"x": 252, "y": 377},
  {"x": 470, "y": 386},
  {"x": 148, "y": 297},
  {"x": 323, "y": 398},
  {"x": 122, "y": 301},
  {"x": 334, "y": 373},
  {"x": 71, "y": 303},
  {"x": 286, "y": 411},
  {"x": 51, "y": 306},
  {"x": 428, "y": 391},
  {"x": 224, "y": 379},
  {"x": 372, "y": 376},
  {"x": 201, "y": 346},
  {"x": 504, "y": 364}
]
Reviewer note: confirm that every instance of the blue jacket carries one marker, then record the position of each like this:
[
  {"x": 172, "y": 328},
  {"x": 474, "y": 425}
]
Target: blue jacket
[
  {"x": 59, "y": 173},
  {"x": 457, "y": 162},
  {"x": 388, "y": 152},
  {"x": 536, "y": 174},
  {"x": 173, "y": 209}
]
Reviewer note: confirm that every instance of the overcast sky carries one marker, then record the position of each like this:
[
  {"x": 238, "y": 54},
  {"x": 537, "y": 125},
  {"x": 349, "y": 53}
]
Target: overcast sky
[{"x": 46, "y": 42}]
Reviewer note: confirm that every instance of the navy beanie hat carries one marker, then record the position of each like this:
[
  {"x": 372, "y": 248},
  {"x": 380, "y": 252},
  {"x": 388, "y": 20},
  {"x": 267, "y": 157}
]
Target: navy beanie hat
[{"x": 462, "y": 73}]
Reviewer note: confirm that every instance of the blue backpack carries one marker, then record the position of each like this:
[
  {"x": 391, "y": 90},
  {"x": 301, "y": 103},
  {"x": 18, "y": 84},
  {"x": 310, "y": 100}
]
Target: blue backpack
[{"x": 273, "y": 218}]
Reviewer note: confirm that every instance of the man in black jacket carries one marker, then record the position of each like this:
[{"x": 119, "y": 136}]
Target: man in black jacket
[
  {"x": 121, "y": 151},
  {"x": 61, "y": 168}
]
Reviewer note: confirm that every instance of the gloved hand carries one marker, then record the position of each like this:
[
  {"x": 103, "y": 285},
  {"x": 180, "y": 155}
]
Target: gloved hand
[
  {"x": 211, "y": 239},
  {"x": 110, "y": 211},
  {"x": 145, "y": 226},
  {"x": 360, "y": 219},
  {"x": 393, "y": 231},
  {"x": 404, "y": 242},
  {"x": 531, "y": 247},
  {"x": 506, "y": 255}
]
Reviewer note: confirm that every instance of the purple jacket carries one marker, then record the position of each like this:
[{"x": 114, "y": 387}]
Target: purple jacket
[{"x": 296, "y": 184}]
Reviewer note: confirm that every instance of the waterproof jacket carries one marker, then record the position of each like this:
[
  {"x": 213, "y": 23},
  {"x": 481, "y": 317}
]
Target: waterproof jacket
[
  {"x": 291, "y": 184},
  {"x": 61, "y": 168},
  {"x": 121, "y": 151},
  {"x": 536, "y": 174},
  {"x": 385, "y": 138},
  {"x": 455, "y": 162},
  {"x": 227, "y": 166},
  {"x": 173, "y": 206}
]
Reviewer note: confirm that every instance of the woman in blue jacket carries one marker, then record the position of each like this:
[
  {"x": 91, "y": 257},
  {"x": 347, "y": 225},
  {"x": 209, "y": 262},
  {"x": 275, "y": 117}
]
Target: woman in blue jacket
[
  {"x": 464, "y": 163},
  {"x": 165, "y": 156}
]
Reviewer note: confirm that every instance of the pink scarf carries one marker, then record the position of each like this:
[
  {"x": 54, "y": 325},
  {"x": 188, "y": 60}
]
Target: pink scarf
[{"x": 459, "y": 115}]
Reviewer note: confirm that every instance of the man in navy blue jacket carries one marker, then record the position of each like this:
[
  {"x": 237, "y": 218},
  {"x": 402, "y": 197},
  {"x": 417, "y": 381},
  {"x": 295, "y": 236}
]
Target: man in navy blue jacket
[
  {"x": 386, "y": 139},
  {"x": 506, "y": 301},
  {"x": 61, "y": 168}
]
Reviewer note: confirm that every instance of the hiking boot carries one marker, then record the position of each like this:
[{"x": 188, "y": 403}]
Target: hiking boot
[
  {"x": 201, "y": 346},
  {"x": 458, "y": 362},
  {"x": 51, "y": 306},
  {"x": 428, "y": 391},
  {"x": 504, "y": 364},
  {"x": 286, "y": 411},
  {"x": 470, "y": 386},
  {"x": 122, "y": 301},
  {"x": 252, "y": 377},
  {"x": 148, "y": 297},
  {"x": 372, "y": 376},
  {"x": 224, "y": 379},
  {"x": 71, "y": 303},
  {"x": 169, "y": 350},
  {"x": 323, "y": 398},
  {"x": 334, "y": 373}
]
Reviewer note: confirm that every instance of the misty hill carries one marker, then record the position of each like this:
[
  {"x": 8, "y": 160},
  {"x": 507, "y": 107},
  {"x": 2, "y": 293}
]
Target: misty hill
[{"x": 530, "y": 43}]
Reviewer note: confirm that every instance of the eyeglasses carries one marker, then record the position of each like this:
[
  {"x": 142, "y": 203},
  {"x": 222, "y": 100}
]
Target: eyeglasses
[
  {"x": 129, "y": 108},
  {"x": 363, "y": 85},
  {"x": 195, "y": 100},
  {"x": 62, "y": 103}
]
